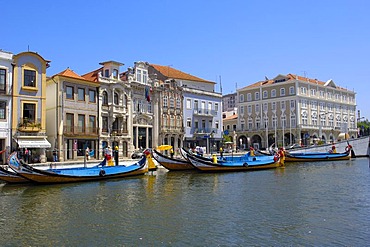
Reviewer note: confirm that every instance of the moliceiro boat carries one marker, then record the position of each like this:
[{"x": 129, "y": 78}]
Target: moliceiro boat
[
  {"x": 251, "y": 165},
  {"x": 318, "y": 156},
  {"x": 172, "y": 164},
  {"x": 7, "y": 175},
  {"x": 80, "y": 174}
]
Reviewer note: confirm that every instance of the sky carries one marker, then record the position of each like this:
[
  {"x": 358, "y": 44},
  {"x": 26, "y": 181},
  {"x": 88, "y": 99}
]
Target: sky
[{"x": 233, "y": 43}]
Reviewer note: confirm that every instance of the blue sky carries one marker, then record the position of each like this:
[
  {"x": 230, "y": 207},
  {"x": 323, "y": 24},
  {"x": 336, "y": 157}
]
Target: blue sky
[{"x": 239, "y": 41}]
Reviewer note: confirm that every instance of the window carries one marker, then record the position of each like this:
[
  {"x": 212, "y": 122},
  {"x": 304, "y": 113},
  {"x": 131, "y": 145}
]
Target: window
[
  {"x": 29, "y": 79},
  {"x": 322, "y": 106},
  {"x": 329, "y": 95},
  {"x": 274, "y": 121},
  {"x": 257, "y": 95},
  {"x": 70, "y": 122},
  {"x": 81, "y": 123},
  {"x": 69, "y": 92},
  {"x": 92, "y": 124},
  {"x": 196, "y": 105},
  {"x": 250, "y": 124},
  {"x": 283, "y": 121},
  {"x": 172, "y": 102},
  {"x": 293, "y": 121},
  {"x": 273, "y": 93},
  {"x": 249, "y": 109},
  {"x": 322, "y": 94},
  {"x": 258, "y": 123},
  {"x": 165, "y": 101},
  {"x": 265, "y": 94},
  {"x": 209, "y": 107},
  {"x": 241, "y": 109},
  {"x": 188, "y": 122},
  {"x": 81, "y": 94},
  {"x": 92, "y": 98},
  {"x": 178, "y": 103},
  {"x": 313, "y": 105},
  {"x": 249, "y": 97},
  {"x": 241, "y": 98},
  {"x": 145, "y": 76},
  {"x": 265, "y": 107},
  {"x": 116, "y": 98},
  {"x": 29, "y": 111},
  {"x": 105, "y": 98},
  {"x": 313, "y": 92},
  {"x": 292, "y": 104},
  {"x": 217, "y": 125},
  {"x": 216, "y": 107},
  {"x": 115, "y": 73},
  {"x": 2, "y": 79},
  {"x": 303, "y": 90},
  {"x": 314, "y": 118},
  {"x": 149, "y": 110},
  {"x": 104, "y": 124},
  {"x": 282, "y": 105},
  {"x": 304, "y": 103},
  {"x": 257, "y": 108},
  {"x": 188, "y": 103},
  {"x": 330, "y": 107},
  {"x": 138, "y": 75},
  {"x": 282, "y": 91},
  {"x": 291, "y": 91},
  {"x": 273, "y": 106},
  {"x": 266, "y": 121},
  {"x": 106, "y": 73},
  {"x": 2, "y": 110}
]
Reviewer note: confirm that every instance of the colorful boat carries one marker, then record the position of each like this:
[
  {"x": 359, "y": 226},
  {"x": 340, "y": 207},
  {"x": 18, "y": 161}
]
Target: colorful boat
[
  {"x": 326, "y": 156},
  {"x": 254, "y": 163},
  {"x": 67, "y": 175},
  {"x": 172, "y": 164},
  {"x": 11, "y": 177}
]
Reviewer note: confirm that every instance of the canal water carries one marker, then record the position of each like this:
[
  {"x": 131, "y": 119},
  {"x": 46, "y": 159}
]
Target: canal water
[{"x": 308, "y": 204}]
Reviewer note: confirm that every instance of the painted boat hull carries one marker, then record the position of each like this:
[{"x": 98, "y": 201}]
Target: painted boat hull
[
  {"x": 81, "y": 174},
  {"x": 171, "y": 163},
  {"x": 11, "y": 177},
  {"x": 312, "y": 157},
  {"x": 207, "y": 166}
]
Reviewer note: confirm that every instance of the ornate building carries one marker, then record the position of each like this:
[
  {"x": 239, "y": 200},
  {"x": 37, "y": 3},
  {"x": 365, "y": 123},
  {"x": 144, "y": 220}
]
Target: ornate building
[
  {"x": 293, "y": 109},
  {"x": 168, "y": 107},
  {"x": 115, "y": 108}
]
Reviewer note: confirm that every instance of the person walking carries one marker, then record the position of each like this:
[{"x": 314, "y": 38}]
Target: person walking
[{"x": 55, "y": 155}]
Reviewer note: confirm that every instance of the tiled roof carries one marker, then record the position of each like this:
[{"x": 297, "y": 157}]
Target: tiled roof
[
  {"x": 234, "y": 116},
  {"x": 93, "y": 75},
  {"x": 289, "y": 77},
  {"x": 70, "y": 73},
  {"x": 169, "y": 72}
]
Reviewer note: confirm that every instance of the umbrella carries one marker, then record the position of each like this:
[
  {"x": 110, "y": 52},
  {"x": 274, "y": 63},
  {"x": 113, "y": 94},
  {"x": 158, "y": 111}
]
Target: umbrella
[{"x": 164, "y": 147}]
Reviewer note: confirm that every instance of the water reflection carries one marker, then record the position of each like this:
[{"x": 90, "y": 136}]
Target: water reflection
[{"x": 313, "y": 204}]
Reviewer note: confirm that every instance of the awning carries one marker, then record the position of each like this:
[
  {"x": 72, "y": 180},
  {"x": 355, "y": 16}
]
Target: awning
[{"x": 33, "y": 143}]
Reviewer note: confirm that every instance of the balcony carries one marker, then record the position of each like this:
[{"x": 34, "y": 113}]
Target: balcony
[
  {"x": 29, "y": 125},
  {"x": 205, "y": 112},
  {"x": 203, "y": 131}
]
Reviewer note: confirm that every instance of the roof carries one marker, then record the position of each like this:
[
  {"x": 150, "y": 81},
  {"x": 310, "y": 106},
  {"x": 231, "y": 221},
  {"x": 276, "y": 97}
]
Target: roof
[
  {"x": 70, "y": 73},
  {"x": 93, "y": 75},
  {"x": 231, "y": 117},
  {"x": 288, "y": 78},
  {"x": 170, "y": 72}
]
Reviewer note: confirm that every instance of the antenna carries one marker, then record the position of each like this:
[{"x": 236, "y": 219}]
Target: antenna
[{"x": 220, "y": 85}]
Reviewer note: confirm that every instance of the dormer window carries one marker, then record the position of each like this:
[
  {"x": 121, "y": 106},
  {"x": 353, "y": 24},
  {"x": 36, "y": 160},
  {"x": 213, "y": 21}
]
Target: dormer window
[
  {"x": 115, "y": 73},
  {"x": 138, "y": 75},
  {"x": 106, "y": 73}
]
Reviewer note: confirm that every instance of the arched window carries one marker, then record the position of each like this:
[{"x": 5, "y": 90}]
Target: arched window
[
  {"x": 116, "y": 98},
  {"x": 105, "y": 98}
]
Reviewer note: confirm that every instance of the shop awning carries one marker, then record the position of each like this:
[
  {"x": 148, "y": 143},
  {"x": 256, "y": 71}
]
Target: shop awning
[
  {"x": 33, "y": 143},
  {"x": 343, "y": 136}
]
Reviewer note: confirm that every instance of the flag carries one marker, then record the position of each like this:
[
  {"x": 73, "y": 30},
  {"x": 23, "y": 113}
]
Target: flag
[{"x": 147, "y": 96}]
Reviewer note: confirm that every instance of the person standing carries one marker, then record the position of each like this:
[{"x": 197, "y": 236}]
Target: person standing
[
  {"x": 55, "y": 155},
  {"x": 221, "y": 152},
  {"x": 171, "y": 152},
  {"x": 116, "y": 155},
  {"x": 87, "y": 153}
]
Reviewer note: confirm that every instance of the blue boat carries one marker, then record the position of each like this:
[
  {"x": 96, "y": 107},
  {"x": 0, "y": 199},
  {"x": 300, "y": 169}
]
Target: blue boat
[{"x": 67, "y": 175}]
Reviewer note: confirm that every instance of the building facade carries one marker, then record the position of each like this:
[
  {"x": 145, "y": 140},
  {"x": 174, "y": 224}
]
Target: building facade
[
  {"x": 28, "y": 106},
  {"x": 72, "y": 115},
  {"x": 6, "y": 79},
  {"x": 115, "y": 108},
  {"x": 293, "y": 109}
]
